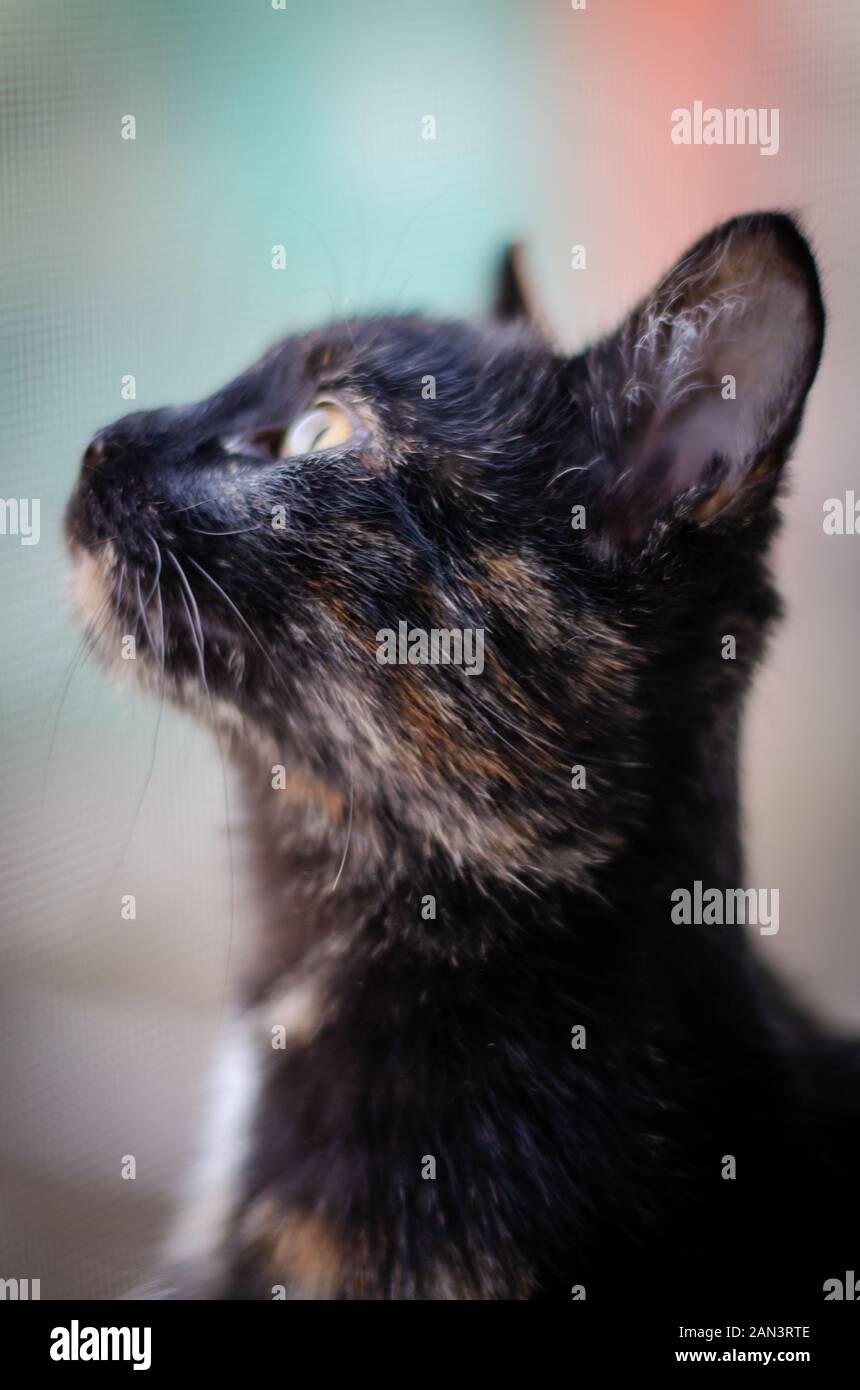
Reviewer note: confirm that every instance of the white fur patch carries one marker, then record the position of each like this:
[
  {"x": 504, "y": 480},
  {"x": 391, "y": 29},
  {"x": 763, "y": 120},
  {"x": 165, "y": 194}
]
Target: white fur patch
[
  {"x": 196, "y": 1241},
  {"x": 294, "y": 1007}
]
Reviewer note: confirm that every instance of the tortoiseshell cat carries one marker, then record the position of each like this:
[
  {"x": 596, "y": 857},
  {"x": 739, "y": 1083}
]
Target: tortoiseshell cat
[{"x": 477, "y": 1057}]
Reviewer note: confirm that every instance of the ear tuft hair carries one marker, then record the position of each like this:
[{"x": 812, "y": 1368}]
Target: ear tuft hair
[{"x": 701, "y": 390}]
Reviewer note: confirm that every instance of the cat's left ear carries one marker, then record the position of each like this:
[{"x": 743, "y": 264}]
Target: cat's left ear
[{"x": 696, "y": 400}]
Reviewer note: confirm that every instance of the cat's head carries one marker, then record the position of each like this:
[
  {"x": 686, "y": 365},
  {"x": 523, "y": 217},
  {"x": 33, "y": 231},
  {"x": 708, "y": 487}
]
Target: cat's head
[{"x": 296, "y": 556}]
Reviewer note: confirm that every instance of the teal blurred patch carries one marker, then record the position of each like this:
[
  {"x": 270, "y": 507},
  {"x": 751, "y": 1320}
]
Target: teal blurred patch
[{"x": 255, "y": 128}]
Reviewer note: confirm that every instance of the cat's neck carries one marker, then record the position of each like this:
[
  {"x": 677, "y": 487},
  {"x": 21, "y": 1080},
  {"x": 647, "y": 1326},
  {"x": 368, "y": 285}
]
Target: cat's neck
[{"x": 326, "y": 875}]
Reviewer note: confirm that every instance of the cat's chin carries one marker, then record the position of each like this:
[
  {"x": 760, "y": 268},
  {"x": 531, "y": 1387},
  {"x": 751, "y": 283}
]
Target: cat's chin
[
  {"x": 92, "y": 589},
  {"x": 91, "y": 580}
]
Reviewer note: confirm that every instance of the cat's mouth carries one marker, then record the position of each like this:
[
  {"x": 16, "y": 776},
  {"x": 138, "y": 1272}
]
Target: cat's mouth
[
  {"x": 162, "y": 622},
  {"x": 100, "y": 583}
]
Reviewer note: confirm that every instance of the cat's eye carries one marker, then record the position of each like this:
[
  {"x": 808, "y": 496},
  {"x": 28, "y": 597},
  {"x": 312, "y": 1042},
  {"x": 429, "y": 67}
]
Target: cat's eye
[{"x": 323, "y": 425}]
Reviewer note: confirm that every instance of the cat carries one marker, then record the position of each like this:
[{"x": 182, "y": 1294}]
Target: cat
[{"x": 475, "y": 1055}]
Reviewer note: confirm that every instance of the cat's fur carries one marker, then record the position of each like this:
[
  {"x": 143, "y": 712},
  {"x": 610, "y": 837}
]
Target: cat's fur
[{"x": 408, "y": 1037}]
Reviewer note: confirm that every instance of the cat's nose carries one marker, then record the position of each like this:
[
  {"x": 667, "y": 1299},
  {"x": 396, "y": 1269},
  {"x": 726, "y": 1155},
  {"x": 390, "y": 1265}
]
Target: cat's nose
[
  {"x": 120, "y": 443},
  {"x": 114, "y": 489}
]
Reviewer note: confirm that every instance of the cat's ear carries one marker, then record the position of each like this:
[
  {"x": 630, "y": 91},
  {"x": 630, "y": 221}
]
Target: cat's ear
[
  {"x": 513, "y": 299},
  {"x": 694, "y": 403}
]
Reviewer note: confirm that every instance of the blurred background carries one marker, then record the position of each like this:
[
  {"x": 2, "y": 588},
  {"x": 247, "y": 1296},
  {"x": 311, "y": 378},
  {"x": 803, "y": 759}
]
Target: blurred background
[{"x": 302, "y": 127}]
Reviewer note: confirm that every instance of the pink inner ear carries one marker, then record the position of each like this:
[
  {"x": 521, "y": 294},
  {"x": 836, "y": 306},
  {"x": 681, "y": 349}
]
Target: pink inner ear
[
  {"x": 675, "y": 454},
  {"x": 720, "y": 377}
]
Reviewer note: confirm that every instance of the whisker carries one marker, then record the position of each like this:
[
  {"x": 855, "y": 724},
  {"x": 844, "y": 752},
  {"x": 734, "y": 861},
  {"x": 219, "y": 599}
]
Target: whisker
[
  {"x": 197, "y": 640},
  {"x": 84, "y": 647},
  {"x": 154, "y": 542},
  {"x": 242, "y": 531},
  {"x": 194, "y": 623},
  {"x": 196, "y": 629},
  {"x": 349, "y": 822},
  {"x": 242, "y": 619},
  {"x": 142, "y": 611}
]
